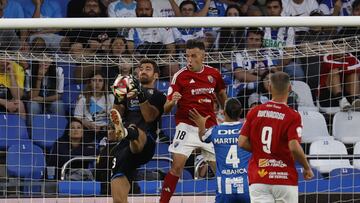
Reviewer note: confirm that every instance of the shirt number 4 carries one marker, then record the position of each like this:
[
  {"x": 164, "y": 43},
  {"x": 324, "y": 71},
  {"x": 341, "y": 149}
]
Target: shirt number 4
[{"x": 232, "y": 156}]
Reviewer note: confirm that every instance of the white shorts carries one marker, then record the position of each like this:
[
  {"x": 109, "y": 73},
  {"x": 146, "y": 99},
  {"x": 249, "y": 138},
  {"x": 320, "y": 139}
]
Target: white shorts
[
  {"x": 264, "y": 193},
  {"x": 187, "y": 139}
]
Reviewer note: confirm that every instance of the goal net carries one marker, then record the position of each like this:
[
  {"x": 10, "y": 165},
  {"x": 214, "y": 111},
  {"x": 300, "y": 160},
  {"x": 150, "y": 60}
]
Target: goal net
[{"x": 55, "y": 97}]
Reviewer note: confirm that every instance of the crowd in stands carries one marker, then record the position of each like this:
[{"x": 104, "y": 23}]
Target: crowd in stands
[{"x": 38, "y": 87}]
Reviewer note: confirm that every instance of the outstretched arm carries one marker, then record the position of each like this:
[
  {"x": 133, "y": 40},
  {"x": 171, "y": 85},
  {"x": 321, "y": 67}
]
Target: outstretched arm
[{"x": 199, "y": 120}]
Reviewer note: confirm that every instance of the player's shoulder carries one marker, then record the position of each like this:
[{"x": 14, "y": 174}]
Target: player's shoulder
[
  {"x": 294, "y": 112},
  {"x": 210, "y": 69},
  {"x": 180, "y": 73}
]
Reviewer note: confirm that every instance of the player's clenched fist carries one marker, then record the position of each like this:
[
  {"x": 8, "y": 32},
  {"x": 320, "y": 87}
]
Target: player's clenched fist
[
  {"x": 176, "y": 97},
  {"x": 308, "y": 174}
]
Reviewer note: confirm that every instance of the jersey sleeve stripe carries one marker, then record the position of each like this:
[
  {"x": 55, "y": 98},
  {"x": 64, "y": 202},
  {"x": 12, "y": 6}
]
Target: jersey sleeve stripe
[
  {"x": 173, "y": 81},
  {"x": 327, "y": 60},
  {"x": 207, "y": 134}
]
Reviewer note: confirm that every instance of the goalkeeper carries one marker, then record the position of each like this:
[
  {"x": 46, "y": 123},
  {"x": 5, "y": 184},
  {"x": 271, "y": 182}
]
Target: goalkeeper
[{"x": 139, "y": 107}]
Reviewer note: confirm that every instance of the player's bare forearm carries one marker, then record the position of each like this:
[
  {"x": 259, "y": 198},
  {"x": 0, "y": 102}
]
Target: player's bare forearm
[
  {"x": 168, "y": 106},
  {"x": 222, "y": 96},
  {"x": 244, "y": 143},
  {"x": 298, "y": 153},
  {"x": 199, "y": 120},
  {"x": 149, "y": 112}
]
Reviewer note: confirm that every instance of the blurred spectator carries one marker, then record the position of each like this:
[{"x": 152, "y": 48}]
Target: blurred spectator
[
  {"x": 315, "y": 34},
  {"x": 12, "y": 78},
  {"x": 50, "y": 42},
  {"x": 187, "y": 9},
  {"x": 247, "y": 66},
  {"x": 351, "y": 31},
  {"x": 70, "y": 145},
  {"x": 163, "y": 8},
  {"x": 38, "y": 45},
  {"x": 106, "y": 3},
  {"x": 311, "y": 64},
  {"x": 215, "y": 8},
  {"x": 231, "y": 39},
  {"x": 95, "y": 41},
  {"x": 77, "y": 50},
  {"x": 339, "y": 81},
  {"x": 9, "y": 40},
  {"x": 43, "y": 9},
  {"x": 299, "y": 8},
  {"x": 122, "y": 8},
  {"x": 75, "y": 8},
  {"x": 254, "y": 11},
  {"x": 12, "y": 9},
  {"x": 94, "y": 105},
  {"x": 252, "y": 98},
  {"x": 118, "y": 46},
  {"x": 336, "y": 7},
  {"x": 149, "y": 40},
  {"x": 46, "y": 88},
  {"x": 281, "y": 36}
]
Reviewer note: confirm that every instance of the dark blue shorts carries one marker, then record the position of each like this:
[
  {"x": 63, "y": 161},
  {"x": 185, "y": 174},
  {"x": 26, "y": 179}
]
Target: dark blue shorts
[{"x": 232, "y": 198}]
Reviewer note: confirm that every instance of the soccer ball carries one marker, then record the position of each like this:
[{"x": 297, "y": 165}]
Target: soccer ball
[{"x": 124, "y": 87}]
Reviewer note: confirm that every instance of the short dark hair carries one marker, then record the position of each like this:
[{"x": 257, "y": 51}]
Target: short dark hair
[
  {"x": 188, "y": 2},
  {"x": 152, "y": 62},
  {"x": 195, "y": 43},
  {"x": 233, "y": 108},
  {"x": 269, "y": 1},
  {"x": 280, "y": 82},
  {"x": 355, "y": 4},
  {"x": 255, "y": 30},
  {"x": 235, "y": 6}
]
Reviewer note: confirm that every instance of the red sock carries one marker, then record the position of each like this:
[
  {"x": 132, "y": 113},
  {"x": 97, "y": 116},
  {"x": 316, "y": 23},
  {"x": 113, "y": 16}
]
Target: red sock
[{"x": 168, "y": 187}]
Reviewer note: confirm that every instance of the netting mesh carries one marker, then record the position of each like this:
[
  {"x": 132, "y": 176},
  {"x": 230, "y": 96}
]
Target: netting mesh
[{"x": 36, "y": 116}]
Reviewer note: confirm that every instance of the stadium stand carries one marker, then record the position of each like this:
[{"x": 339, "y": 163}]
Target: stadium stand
[
  {"x": 343, "y": 121},
  {"x": 328, "y": 147},
  {"x": 314, "y": 127}
]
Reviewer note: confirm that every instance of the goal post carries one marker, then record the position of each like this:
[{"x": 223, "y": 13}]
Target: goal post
[{"x": 270, "y": 21}]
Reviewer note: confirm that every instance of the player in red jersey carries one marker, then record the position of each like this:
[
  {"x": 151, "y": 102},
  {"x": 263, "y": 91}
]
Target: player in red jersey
[
  {"x": 272, "y": 132},
  {"x": 339, "y": 80},
  {"x": 195, "y": 86}
]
